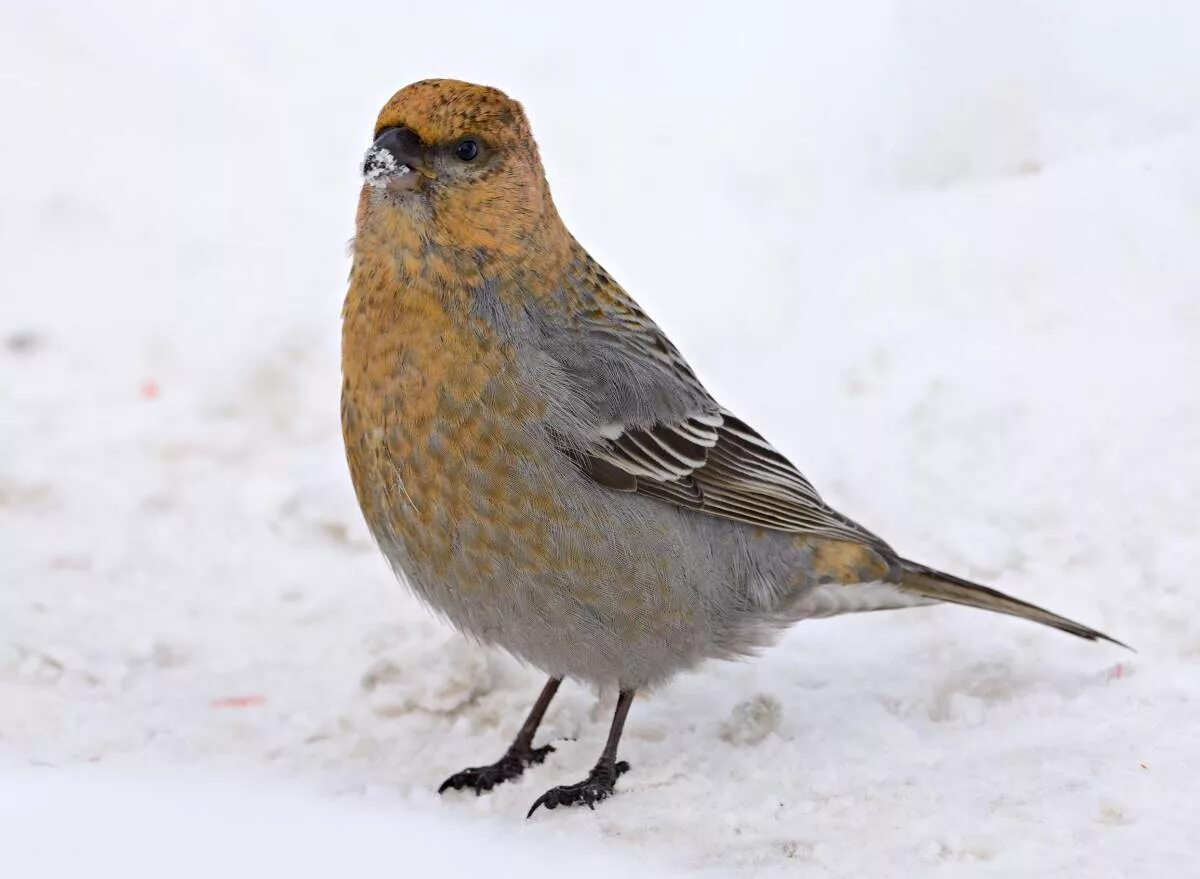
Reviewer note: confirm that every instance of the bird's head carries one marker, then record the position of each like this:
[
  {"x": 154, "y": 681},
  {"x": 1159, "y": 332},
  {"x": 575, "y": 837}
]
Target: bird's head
[{"x": 454, "y": 166}]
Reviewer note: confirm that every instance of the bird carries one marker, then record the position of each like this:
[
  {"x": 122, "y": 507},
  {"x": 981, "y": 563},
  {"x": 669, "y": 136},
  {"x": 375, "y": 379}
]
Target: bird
[{"x": 540, "y": 464}]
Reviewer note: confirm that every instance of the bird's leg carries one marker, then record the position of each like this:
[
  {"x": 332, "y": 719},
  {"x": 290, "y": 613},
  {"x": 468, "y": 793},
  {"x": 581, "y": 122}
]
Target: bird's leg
[
  {"x": 600, "y": 781},
  {"x": 521, "y": 753}
]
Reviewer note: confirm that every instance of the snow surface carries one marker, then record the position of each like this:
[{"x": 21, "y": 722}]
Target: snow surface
[
  {"x": 66, "y": 823},
  {"x": 946, "y": 256}
]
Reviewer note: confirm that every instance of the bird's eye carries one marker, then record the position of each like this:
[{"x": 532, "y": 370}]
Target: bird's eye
[{"x": 467, "y": 150}]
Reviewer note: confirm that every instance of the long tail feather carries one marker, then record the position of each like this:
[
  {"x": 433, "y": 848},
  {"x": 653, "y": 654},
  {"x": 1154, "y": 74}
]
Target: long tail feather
[{"x": 928, "y": 583}]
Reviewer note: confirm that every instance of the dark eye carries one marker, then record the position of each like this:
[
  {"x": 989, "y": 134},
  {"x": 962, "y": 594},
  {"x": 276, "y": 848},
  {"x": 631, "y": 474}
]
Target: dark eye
[{"x": 467, "y": 150}]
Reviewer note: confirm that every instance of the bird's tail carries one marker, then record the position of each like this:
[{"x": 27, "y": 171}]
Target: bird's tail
[{"x": 927, "y": 583}]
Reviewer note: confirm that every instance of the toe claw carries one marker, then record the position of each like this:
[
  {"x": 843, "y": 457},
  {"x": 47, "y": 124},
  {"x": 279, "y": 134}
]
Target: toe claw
[
  {"x": 508, "y": 767},
  {"x": 596, "y": 788}
]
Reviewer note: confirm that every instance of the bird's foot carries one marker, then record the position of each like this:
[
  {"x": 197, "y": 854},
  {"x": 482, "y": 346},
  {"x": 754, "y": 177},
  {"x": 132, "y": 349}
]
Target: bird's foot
[
  {"x": 596, "y": 787},
  {"x": 508, "y": 767}
]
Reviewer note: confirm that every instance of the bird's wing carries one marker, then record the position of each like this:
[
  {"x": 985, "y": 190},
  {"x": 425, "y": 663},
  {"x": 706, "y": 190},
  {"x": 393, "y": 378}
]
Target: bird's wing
[
  {"x": 717, "y": 464},
  {"x": 646, "y": 424}
]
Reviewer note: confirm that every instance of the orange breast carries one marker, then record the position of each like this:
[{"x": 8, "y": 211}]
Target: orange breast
[{"x": 439, "y": 436}]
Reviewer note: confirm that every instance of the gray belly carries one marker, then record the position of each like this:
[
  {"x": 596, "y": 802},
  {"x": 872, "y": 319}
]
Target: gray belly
[{"x": 585, "y": 582}]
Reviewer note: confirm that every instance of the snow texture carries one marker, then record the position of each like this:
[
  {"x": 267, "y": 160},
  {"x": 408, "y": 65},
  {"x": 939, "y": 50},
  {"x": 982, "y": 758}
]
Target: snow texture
[
  {"x": 381, "y": 166},
  {"x": 197, "y": 826},
  {"x": 949, "y": 262}
]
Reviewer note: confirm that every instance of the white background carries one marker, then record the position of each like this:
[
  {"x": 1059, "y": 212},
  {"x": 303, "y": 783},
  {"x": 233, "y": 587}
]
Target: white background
[{"x": 945, "y": 255}]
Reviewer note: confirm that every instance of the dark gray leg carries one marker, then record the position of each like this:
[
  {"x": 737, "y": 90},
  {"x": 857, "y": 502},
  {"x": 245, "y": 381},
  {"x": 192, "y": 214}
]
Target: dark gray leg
[
  {"x": 601, "y": 780},
  {"x": 520, "y": 755}
]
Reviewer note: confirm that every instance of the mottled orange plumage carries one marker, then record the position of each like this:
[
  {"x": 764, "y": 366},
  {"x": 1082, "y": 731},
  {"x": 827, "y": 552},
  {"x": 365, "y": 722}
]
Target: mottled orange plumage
[
  {"x": 436, "y": 422},
  {"x": 537, "y": 459},
  {"x": 499, "y": 216}
]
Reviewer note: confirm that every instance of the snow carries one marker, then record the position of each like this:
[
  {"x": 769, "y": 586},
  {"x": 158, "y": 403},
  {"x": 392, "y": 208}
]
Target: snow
[
  {"x": 380, "y": 165},
  {"x": 197, "y": 827},
  {"x": 943, "y": 255}
]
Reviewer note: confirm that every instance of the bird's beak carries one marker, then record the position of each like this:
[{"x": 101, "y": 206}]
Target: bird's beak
[{"x": 396, "y": 161}]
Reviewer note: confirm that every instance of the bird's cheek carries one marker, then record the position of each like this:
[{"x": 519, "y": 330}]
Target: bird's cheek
[{"x": 476, "y": 218}]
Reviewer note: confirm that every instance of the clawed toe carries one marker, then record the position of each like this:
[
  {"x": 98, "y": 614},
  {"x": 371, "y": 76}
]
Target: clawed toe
[
  {"x": 508, "y": 767},
  {"x": 598, "y": 786}
]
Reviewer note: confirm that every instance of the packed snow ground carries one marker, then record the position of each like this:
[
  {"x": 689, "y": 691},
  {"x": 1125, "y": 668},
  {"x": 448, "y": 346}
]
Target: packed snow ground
[
  {"x": 101, "y": 823},
  {"x": 946, "y": 259}
]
